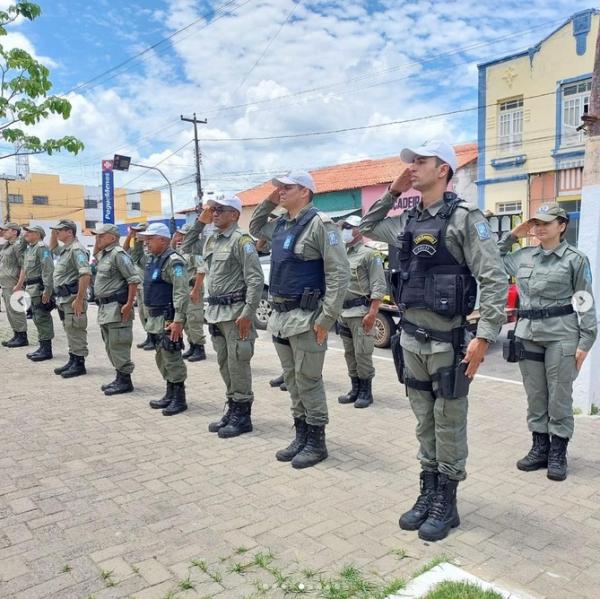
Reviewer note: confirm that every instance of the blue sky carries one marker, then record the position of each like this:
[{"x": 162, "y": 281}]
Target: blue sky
[{"x": 268, "y": 68}]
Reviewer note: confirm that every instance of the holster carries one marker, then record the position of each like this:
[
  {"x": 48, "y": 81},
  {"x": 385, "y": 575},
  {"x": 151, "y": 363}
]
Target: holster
[
  {"x": 398, "y": 356},
  {"x": 171, "y": 346},
  {"x": 47, "y": 307},
  {"x": 214, "y": 330},
  {"x": 511, "y": 348},
  {"x": 453, "y": 383},
  {"x": 309, "y": 300},
  {"x": 61, "y": 314}
]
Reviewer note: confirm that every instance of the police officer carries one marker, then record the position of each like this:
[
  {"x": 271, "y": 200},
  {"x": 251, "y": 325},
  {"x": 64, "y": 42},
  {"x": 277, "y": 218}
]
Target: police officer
[
  {"x": 437, "y": 249},
  {"x": 39, "y": 270},
  {"x": 190, "y": 248},
  {"x": 234, "y": 283},
  {"x": 134, "y": 246},
  {"x": 72, "y": 276},
  {"x": 166, "y": 296},
  {"x": 115, "y": 288},
  {"x": 308, "y": 280},
  {"x": 11, "y": 280},
  {"x": 552, "y": 340},
  {"x": 363, "y": 297}
]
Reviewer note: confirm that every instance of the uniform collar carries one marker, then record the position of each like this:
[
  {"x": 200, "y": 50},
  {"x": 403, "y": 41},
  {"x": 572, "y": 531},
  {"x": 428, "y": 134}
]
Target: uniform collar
[
  {"x": 108, "y": 248},
  {"x": 559, "y": 250},
  {"x": 354, "y": 247},
  {"x": 228, "y": 231},
  {"x": 432, "y": 209},
  {"x": 300, "y": 214}
]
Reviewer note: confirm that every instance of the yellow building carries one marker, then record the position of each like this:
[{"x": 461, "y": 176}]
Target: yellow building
[
  {"x": 530, "y": 105},
  {"x": 43, "y": 198}
]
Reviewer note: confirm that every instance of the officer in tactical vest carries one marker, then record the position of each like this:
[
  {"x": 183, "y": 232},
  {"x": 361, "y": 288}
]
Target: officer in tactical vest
[
  {"x": 550, "y": 340},
  {"x": 366, "y": 290},
  {"x": 39, "y": 270},
  {"x": 116, "y": 287},
  {"x": 437, "y": 251},
  {"x": 234, "y": 283},
  {"x": 11, "y": 280},
  {"x": 190, "y": 247},
  {"x": 72, "y": 276},
  {"x": 166, "y": 294},
  {"x": 134, "y": 246},
  {"x": 308, "y": 281}
]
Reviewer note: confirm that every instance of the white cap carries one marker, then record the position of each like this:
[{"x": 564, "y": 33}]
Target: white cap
[
  {"x": 353, "y": 220},
  {"x": 435, "y": 147},
  {"x": 231, "y": 202},
  {"x": 159, "y": 229},
  {"x": 301, "y": 178}
]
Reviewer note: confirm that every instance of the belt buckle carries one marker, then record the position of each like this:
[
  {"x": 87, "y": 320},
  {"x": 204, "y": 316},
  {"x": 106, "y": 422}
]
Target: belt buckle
[{"x": 421, "y": 335}]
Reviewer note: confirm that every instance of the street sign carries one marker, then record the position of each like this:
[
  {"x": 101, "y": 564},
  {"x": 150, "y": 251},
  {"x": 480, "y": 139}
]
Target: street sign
[
  {"x": 108, "y": 192},
  {"x": 121, "y": 163}
]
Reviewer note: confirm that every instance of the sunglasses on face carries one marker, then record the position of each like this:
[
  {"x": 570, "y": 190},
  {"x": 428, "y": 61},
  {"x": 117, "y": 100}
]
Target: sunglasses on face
[
  {"x": 345, "y": 226},
  {"x": 220, "y": 210}
]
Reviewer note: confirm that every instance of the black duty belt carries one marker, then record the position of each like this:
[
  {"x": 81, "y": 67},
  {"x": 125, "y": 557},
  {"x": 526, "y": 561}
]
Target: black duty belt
[
  {"x": 286, "y": 305},
  {"x": 359, "y": 301},
  {"x": 227, "y": 299},
  {"x": 121, "y": 297},
  {"x": 546, "y": 312},
  {"x": 280, "y": 340},
  {"x": 422, "y": 335},
  {"x": 156, "y": 310},
  {"x": 68, "y": 289},
  {"x": 34, "y": 281}
]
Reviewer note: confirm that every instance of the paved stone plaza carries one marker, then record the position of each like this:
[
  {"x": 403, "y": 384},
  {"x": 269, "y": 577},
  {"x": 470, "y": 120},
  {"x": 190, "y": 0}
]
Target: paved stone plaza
[{"x": 103, "y": 497}]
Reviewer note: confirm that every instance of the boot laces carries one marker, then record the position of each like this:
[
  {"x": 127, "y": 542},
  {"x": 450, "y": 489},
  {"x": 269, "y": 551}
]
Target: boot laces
[
  {"x": 440, "y": 505},
  {"x": 556, "y": 456}
]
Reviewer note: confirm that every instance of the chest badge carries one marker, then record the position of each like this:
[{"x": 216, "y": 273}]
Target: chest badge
[
  {"x": 425, "y": 243},
  {"x": 287, "y": 244}
]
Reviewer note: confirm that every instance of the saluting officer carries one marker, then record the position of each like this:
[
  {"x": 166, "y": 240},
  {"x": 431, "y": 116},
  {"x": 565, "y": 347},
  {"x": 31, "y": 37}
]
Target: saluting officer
[
  {"x": 11, "y": 280},
  {"x": 308, "y": 281},
  {"x": 234, "y": 283},
  {"x": 134, "y": 246},
  {"x": 72, "y": 276},
  {"x": 553, "y": 341},
  {"x": 366, "y": 290},
  {"x": 190, "y": 247},
  {"x": 166, "y": 298},
  {"x": 115, "y": 288},
  {"x": 437, "y": 249},
  {"x": 39, "y": 270}
]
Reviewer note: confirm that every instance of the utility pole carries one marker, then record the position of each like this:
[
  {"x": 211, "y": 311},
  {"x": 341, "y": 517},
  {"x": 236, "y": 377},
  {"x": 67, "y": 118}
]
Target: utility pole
[
  {"x": 197, "y": 145},
  {"x": 586, "y": 392}
]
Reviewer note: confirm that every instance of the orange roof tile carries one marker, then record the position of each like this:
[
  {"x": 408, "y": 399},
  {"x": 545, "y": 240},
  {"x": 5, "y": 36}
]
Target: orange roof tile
[{"x": 354, "y": 175}]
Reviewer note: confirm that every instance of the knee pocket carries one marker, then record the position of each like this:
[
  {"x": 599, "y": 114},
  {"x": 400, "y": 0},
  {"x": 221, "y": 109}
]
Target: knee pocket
[
  {"x": 567, "y": 370},
  {"x": 311, "y": 365},
  {"x": 363, "y": 343},
  {"x": 244, "y": 349}
]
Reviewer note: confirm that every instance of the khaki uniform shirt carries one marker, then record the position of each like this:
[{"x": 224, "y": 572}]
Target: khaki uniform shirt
[
  {"x": 367, "y": 277},
  {"x": 139, "y": 256},
  {"x": 11, "y": 262},
  {"x": 173, "y": 271},
  {"x": 550, "y": 279},
  {"x": 114, "y": 272},
  {"x": 469, "y": 240},
  {"x": 38, "y": 262},
  {"x": 72, "y": 264},
  {"x": 232, "y": 265},
  {"x": 191, "y": 250},
  {"x": 320, "y": 239}
]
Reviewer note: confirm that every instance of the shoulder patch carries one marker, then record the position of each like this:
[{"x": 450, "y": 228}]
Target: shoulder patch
[
  {"x": 333, "y": 238},
  {"x": 249, "y": 248},
  {"x": 483, "y": 230},
  {"x": 46, "y": 253},
  {"x": 324, "y": 217},
  {"x": 81, "y": 258},
  {"x": 378, "y": 258},
  {"x": 178, "y": 270}
]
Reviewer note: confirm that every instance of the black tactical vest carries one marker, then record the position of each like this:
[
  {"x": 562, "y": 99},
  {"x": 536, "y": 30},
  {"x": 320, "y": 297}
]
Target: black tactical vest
[
  {"x": 423, "y": 273},
  {"x": 290, "y": 275},
  {"x": 158, "y": 293}
]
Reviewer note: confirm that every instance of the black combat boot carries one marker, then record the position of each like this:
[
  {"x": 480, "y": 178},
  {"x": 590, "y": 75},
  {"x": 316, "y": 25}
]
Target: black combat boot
[
  {"x": 314, "y": 451},
  {"x": 365, "y": 394},
  {"x": 77, "y": 368},
  {"x": 351, "y": 396},
  {"x": 538, "y": 454},
  {"x": 557, "y": 458},
  {"x": 122, "y": 384},
  {"x": 186, "y": 354},
  {"x": 68, "y": 365},
  {"x": 283, "y": 387},
  {"x": 5, "y": 343},
  {"x": 107, "y": 385},
  {"x": 277, "y": 381},
  {"x": 297, "y": 445},
  {"x": 178, "y": 403},
  {"x": 198, "y": 354},
  {"x": 145, "y": 342},
  {"x": 443, "y": 514},
  {"x": 239, "y": 421},
  {"x": 19, "y": 340},
  {"x": 214, "y": 427},
  {"x": 164, "y": 401},
  {"x": 43, "y": 352},
  {"x": 413, "y": 519}
]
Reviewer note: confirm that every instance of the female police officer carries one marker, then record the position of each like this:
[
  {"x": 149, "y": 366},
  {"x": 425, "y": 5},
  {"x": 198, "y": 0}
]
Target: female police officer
[{"x": 552, "y": 340}]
